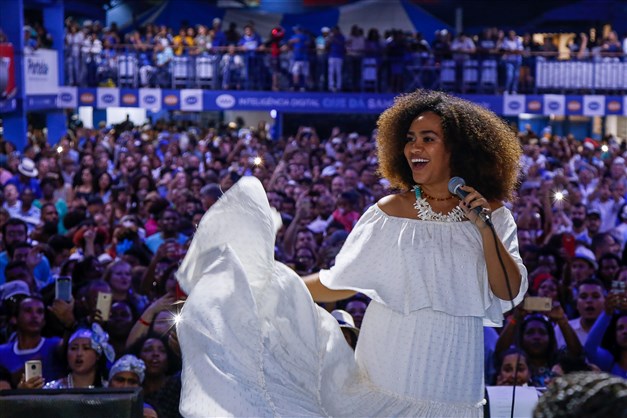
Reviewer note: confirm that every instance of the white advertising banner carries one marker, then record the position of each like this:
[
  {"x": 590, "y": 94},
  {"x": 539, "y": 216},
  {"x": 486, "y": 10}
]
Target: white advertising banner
[
  {"x": 107, "y": 97},
  {"x": 594, "y": 105},
  {"x": 513, "y": 104},
  {"x": 191, "y": 99},
  {"x": 554, "y": 104},
  {"x": 41, "y": 72},
  {"x": 68, "y": 97},
  {"x": 150, "y": 99}
]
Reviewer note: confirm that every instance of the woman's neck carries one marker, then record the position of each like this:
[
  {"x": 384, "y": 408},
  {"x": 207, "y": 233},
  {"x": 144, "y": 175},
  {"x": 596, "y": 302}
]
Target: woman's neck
[
  {"x": 436, "y": 191},
  {"x": 119, "y": 295},
  {"x": 537, "y": 362},
  {"x": 84, "y": 380},
  {"x": 154, "y": 383}
]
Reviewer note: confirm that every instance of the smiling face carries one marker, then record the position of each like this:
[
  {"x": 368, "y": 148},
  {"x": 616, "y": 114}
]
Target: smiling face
[
  {"x": 426, "y": 152},
  {"x": 508, "y": 369}
]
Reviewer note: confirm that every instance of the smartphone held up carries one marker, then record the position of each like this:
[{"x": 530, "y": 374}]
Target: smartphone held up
[{"x": 103, "y": 305}]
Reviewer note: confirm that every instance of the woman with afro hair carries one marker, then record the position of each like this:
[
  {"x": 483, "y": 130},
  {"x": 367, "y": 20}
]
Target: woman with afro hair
[{"x": 433, "y": 268}]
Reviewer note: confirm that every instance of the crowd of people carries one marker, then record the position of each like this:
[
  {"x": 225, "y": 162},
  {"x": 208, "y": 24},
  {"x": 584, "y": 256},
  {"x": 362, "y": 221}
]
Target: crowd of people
[
  {"x": 210, "y": 56},
  {"x": 115, "y": 208},
  {"x": 327, "y": 60}
]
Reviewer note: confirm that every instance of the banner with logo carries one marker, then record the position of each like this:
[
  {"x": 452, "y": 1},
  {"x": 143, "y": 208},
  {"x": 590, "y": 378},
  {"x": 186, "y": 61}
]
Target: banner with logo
[
  {"x": 150, "y": 99},
  {"x": 129, "y": 98},
  {"x": 107, "y": 97},
  {"x": 67, "y": 97},
  {"x": 197, "y": 100},
  {"x": 41, "y": 102},
  {"x": 594, "y": 105},
  {"x": 191, "y": 100},
  {"x": 41, "y": 72},
  {"x": 554, "y": 104},
  {"x": 513, "y": 104},
  {"x": 87, "y": 97},
  {"x": 534, "y": 104},
  {"x": 170, "y": 99},
  {"x": 574, "y": 105},
  {"x": 301, "y": 103},
  {"x": 614, "y": 105}
]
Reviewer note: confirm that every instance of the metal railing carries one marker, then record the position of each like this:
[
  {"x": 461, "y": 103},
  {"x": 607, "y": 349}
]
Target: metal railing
[
  {"x": 127, "y": 66},
  {"x": 606, "y": 76}
]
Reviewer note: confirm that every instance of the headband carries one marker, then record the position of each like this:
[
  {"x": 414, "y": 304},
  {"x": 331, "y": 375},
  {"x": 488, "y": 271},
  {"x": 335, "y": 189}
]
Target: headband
[{"x": 98, "y": 339}]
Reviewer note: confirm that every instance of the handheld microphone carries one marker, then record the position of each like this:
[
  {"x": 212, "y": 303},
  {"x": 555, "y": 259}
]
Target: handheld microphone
[{"x": 455, "y": 187}]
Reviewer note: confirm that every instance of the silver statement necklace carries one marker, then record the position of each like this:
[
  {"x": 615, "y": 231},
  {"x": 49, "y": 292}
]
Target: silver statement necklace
[{"x": 426, "y": 212}]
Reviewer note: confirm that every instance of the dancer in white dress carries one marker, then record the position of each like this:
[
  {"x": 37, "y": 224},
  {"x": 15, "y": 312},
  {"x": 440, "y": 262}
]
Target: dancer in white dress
[{"x": 255, "y": 344}]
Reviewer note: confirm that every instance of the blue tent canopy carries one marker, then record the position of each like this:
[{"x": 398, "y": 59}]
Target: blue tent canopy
[{"x": 383, "y": 15}]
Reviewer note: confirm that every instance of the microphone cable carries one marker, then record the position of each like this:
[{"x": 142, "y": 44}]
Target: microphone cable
[
  {"x": 454, "y": 186},
  {"x": 511, "y": 299}
]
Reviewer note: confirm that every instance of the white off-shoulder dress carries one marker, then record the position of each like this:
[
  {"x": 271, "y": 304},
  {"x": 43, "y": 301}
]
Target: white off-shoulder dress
[{"x": 255, "y": 344}]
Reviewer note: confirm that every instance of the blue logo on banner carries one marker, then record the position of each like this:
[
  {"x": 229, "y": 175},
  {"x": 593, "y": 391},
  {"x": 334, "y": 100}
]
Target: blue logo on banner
[
  {"x": 514, "y": 105},
  {"x": 554, "y": 105},
  {"x": 150, "y": 99},
  {"x": 108, "y": 98},
  {"x": 190, "y": 100},
  {"x": 594, "y": 106},
  {"x": 66, "y": 97}
]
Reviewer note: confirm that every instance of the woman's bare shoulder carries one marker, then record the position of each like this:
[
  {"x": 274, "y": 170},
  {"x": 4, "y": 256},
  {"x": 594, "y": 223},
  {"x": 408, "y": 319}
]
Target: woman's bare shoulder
[{"x": 399, "y": 205}]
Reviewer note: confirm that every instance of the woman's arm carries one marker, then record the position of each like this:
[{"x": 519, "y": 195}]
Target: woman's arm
[
  {"x": 493, "y": 248},
  {"x": 507, "y": 337},
  {"x": 140, "y": 329},
  {"x": 597, "y": 355},
  {"x": 594, "y": 352},
  {"x": 321, "y": 293},
  {"x": 558, "y": 316}
]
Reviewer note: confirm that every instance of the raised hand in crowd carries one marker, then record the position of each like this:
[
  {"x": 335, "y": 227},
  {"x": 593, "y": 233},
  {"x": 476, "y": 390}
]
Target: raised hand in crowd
[
  {"x": 64, "y": 311},
  {"x": 144, "y": 323},
  {"x": 615, "y": 301}
]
